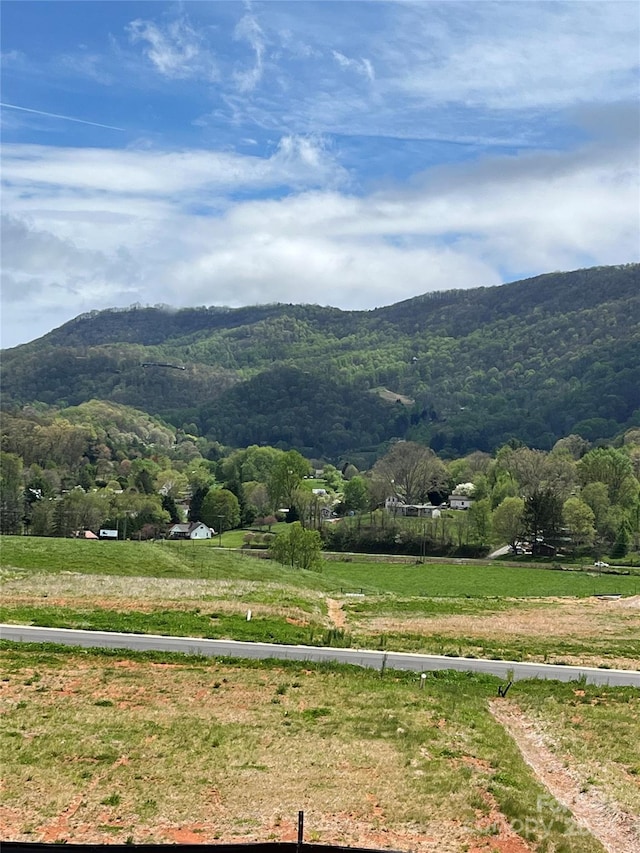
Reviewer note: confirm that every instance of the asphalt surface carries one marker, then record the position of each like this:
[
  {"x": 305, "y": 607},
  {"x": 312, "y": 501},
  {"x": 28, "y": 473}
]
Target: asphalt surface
[{"x": 356, "y": 657}]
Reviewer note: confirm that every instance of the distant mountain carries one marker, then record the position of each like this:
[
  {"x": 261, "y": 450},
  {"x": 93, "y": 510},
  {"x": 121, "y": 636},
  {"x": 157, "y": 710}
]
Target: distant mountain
[{"x": 463, "y": 369}]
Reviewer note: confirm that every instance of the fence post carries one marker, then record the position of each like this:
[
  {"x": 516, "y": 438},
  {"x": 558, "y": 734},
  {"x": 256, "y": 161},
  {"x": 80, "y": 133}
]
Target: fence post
[{"x": 300, "y": 830}]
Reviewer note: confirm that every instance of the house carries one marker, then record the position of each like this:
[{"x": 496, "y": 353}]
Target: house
[
  {"x": 543, "y": 549},
  {"x": 399, "y": 508},
  {"x": 190, "y": 530},
  {"x": 460, "y": 501}
]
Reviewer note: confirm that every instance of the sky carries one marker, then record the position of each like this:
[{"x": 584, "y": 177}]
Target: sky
[{"x": 351, "y": 154}]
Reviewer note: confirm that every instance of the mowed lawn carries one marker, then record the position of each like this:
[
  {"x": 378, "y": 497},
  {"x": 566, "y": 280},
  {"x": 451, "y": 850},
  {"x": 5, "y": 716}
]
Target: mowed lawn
[
  {"x": 119, "y": 747},
  {"x": 206, "y": 560}
]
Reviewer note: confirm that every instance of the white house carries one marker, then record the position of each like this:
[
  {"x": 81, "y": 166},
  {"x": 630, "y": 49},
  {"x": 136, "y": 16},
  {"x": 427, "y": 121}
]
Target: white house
[
  {"x": 190, "y": 530},
  {"x": 460, "y": 501}
]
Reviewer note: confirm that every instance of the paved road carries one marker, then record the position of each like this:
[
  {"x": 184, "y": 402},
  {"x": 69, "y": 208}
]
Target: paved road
[{"x": 356, "y": 657}]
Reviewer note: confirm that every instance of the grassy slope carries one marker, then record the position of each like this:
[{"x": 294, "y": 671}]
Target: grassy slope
[
  {"x": 205, "y": 560},
  {"x": 211, "y": 589}
]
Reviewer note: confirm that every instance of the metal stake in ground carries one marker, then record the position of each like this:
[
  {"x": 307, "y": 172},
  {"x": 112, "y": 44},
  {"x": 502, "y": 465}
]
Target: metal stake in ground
[{"x": 300, "y": 830}]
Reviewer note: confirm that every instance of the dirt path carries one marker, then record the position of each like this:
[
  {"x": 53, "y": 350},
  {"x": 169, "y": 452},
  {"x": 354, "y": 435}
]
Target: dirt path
[
  {"x": 616, "y": 830},
  {"x": 336, "y": 613}
]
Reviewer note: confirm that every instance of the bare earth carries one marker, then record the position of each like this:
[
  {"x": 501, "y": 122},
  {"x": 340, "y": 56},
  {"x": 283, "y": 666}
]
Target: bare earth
[{"x": 617, "y": 830}]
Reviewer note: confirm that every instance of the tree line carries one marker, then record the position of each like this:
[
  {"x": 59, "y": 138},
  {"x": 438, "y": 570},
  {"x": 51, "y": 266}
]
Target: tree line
[{"x": 106, "y": 465}]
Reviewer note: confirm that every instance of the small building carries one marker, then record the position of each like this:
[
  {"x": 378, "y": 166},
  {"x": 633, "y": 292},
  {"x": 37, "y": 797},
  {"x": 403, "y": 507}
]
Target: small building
[
  {"x": 460, "y": 501},
  {"x": 190, "y": 530},
  {"x": 399, "y": 508},
  {"x": 543, "y": 549}
]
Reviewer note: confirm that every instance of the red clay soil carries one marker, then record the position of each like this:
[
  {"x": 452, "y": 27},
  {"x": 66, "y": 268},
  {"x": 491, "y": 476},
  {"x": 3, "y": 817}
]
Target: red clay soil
[{"x": 615, "y": 829}]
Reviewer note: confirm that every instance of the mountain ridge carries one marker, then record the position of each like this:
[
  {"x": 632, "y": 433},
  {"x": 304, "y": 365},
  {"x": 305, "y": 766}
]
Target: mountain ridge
[{"x": 531, "y": 360}]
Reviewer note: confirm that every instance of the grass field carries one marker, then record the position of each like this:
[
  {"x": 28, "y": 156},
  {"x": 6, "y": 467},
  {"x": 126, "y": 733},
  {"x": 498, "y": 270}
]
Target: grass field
[
  {"x": 200, "y": 590},
  {"x": 116, "y": 747},
  {"x": 206, "y": 560}
]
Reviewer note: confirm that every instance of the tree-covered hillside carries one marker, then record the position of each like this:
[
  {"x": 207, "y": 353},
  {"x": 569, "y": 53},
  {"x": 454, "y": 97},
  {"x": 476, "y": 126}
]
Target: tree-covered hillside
[{"x": 461, "y": 370}]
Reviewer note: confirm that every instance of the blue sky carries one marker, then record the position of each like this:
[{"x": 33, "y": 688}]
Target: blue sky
[{"x": 342, "y": 153}]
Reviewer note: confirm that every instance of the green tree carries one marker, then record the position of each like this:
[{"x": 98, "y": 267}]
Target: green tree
[
  {"x": 508, "y": 521},
  {"x": 11, "y": 493},
  {"x": 297, "y": 547},
  {"x": 596, "y": 496},
  {"x": 610, "y": 466},
  {"x": 77, "y": 511},
  {"x": 621, "y": 545},
  {"x": 480, "y": 520},
  {"x": 195, "y": 505},
  {"x": 252, "y": 464},
  {"x": 579, "y": 518},
  {"x": 169, "y": 505},
  {"x": 542, "y": 515},
  {"x": 286, "y": 476},
  {"x": 356, "y": 494},
  {"x": 332, "y": 477},
  {"x": 220, "y": 510}
]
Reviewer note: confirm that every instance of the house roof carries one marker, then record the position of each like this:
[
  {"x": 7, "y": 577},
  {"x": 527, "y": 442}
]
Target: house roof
[{"x": 186, "y": 527}]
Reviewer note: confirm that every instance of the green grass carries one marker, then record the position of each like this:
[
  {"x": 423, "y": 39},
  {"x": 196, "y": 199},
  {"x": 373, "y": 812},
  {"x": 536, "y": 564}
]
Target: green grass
[
  {"x": 552, "y": 650},
  {"x": 145, "y": 559},
  {"x": 179, "y": 623},
  {"x": 213, "y": 624},
  {"x": 473, "y": 580},
  {"x": 260, "y": 735},
  {"x": 206, "y": 560}
]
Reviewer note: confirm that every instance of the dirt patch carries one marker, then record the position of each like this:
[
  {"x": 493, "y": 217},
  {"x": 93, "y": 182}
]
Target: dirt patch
[
  {"x": 503, "y": 838},
  {"x": 394, "y": 397},
  {"x": 617, "y": 831},
  {"x": 540, "y": 618},
  {"x": 336, "y": 614}
]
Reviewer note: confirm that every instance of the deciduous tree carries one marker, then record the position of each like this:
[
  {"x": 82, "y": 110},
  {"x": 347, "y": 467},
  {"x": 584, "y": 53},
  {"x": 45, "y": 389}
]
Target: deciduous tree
[
  {"x": 507, "y": 520},
  {"x": 297, "y": 547},
  {"x": 220, "y": 510},
  {"x": 579, "y": 518},
  {"x": 411, "y": 471}
]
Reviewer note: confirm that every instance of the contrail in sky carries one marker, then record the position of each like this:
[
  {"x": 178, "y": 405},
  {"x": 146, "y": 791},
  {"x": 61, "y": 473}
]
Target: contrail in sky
[{"x": 56, "y": 115}]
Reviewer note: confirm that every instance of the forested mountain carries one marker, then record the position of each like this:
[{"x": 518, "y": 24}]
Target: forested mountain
[{"x": 462, "y": 370}]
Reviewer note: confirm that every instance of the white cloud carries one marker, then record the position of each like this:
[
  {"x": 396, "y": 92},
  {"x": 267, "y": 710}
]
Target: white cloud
[
  {"x": 92, "y": 229},
  {"x": 513, "y": 55},
  {"x": 85, "y": 64},
  {"x": 85, "y": 171},
  {"x": 360, "y": 66},
  {"x": 176, "y": 50},
  {"x": 248, "y": 29}
]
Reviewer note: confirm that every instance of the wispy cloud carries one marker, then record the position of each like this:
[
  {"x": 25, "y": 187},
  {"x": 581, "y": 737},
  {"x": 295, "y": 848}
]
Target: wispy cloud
[
  {"x": 295, "y": 162},
  {"x": 87, "y": 65},
  {"x": 248, "y": 29},
  {"x": 176, "y": 50},
  {"x": 360, "y": 66}
]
